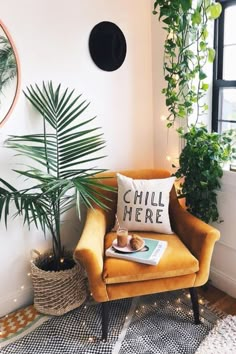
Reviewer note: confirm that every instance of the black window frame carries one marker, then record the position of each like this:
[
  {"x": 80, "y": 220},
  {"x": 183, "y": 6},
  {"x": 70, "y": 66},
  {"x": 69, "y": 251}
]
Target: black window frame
[{"x": 218, "y": 81}]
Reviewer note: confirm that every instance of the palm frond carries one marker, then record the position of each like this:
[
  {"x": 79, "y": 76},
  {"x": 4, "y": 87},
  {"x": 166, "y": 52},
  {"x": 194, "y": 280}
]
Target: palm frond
[{"x": 68, "y": 144}]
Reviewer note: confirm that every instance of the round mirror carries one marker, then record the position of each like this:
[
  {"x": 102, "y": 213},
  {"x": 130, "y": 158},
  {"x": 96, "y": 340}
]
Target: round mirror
[{"x": 9, "y": 74}]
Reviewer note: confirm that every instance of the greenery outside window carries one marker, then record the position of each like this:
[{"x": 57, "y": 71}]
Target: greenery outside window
[{"x": 224, "y": 75}]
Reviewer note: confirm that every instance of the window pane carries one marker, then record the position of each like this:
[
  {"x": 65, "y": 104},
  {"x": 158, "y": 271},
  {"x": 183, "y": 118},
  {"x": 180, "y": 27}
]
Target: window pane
[
  {"x": 223, "y": 126},
  {"x": 229, "y": 69},
  {"x": 230, "y": 25},
  {"x": 227, "y": 108}
]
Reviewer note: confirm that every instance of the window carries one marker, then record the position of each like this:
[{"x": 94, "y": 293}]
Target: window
[{"x": 224, "y": 75}]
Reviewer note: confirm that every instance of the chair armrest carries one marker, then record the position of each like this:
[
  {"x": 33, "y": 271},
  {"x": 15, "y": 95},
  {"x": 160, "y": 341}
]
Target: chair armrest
[
  {"x": 90, "y": 251},
  {"x": 198, "y": 236}
]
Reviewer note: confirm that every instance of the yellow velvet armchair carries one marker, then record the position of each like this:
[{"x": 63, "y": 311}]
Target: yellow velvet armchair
[{"x": 185, "y": 263}]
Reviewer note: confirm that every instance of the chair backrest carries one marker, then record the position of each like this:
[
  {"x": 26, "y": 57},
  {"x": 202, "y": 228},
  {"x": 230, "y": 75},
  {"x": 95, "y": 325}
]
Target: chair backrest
[{"x": 109, "y": 178}]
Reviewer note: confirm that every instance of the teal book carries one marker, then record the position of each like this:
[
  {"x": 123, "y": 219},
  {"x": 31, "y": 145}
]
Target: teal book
[{"x": 151, "y": 252}]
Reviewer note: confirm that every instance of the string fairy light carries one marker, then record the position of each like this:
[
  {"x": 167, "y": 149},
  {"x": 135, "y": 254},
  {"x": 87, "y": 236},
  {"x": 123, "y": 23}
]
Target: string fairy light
[
  {"x": 163, "y": 117},
  {"x": 175, "y": 77}
]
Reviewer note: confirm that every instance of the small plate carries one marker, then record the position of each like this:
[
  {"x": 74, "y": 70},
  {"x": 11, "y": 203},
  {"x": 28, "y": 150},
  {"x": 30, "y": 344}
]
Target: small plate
[{"x": 126, "y": 249}]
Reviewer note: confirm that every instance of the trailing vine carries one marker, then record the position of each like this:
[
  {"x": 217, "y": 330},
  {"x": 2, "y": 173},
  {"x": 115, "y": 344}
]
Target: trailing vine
[{"x": 186, "y": 51}]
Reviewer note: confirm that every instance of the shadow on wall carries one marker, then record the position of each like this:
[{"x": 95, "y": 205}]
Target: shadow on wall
[{"x": 72, "y": 226}]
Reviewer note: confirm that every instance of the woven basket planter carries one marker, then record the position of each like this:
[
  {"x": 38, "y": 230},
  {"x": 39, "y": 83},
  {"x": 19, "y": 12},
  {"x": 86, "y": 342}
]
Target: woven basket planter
[{"x": 56, "y": 293}]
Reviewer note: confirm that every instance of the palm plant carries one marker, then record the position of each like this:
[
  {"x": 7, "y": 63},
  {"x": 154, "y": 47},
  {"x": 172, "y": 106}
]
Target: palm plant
[
  {"x": 59, "y": 181},
  {"x": 8, "y": 67}
]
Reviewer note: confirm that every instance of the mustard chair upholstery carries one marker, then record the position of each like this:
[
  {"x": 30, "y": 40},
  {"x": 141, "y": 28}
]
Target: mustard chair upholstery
[{"x": 185, "y": 263}]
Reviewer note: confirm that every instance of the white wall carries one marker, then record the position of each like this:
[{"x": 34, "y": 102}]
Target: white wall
[
  {"x": 51, "y": 38},
  {"x": 167, "y": 144},
  {"x": 223, "y": 270}
]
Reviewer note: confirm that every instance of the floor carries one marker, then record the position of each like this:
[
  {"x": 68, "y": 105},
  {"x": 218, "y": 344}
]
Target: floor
[{"x": 219, "y": 299}]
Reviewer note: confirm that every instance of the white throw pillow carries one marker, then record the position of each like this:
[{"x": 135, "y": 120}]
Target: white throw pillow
[{"x": 143, "y": 204}]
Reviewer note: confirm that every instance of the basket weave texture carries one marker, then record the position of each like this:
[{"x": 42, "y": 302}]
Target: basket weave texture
[{"x": 56, "y": 293}]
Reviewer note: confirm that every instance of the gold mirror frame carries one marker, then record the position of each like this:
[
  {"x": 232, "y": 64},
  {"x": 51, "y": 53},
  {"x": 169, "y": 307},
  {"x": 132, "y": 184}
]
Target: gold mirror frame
[{"x": 9, "y": 74}]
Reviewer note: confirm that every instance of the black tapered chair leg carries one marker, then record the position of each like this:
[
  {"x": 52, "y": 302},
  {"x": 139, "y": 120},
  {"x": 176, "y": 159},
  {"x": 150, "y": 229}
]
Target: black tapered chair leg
[
  {"x": 105, "y": 319},
  {"x": 195, "y": 304}
]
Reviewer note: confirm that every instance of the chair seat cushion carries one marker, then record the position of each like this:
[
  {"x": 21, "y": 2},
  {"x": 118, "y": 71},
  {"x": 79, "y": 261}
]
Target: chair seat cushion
[{"x": 176, "y": 261}]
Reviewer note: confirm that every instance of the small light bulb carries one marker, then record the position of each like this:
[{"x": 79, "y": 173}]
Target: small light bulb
[
  {"x": 175, "y": 77},
  {"x": 22, "y": 287},
  {"x": 29, "y": 274},
  {"x": 62, "y": 260},
  {"x": 168, "y": 158},
  {"x": 171, "y": 35},
  {"x": 163, "y": 118},
  {"x": 15, "y": 300}
]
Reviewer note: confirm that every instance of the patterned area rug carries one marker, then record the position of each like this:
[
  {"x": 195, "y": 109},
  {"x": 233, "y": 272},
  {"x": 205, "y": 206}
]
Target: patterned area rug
[
  {"x": 221, "y": 339},
  {"x": 160, "y": 323},
  {"x": 19, "y": 323}
]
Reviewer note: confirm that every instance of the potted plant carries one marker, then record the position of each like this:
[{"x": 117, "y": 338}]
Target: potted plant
[
  {"x": 60, "y": 178},
  {"x": 186, "y": 52},
  {"x": 201, "y": 168}
]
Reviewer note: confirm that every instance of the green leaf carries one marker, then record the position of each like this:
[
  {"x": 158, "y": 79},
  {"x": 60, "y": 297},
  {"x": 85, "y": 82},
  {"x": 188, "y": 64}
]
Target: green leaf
[
  {"x": 214, "y": 10},
  {"x": 204, "y": 34},
  {"x": 196, "y": 18},
  {"x": 202, "y": 75},
  {"x": 211, "y": 55},
  {"x": 186, "y": 4},
  {"x": 205, "y": 86},
  {"x": 180, "y": 130}
]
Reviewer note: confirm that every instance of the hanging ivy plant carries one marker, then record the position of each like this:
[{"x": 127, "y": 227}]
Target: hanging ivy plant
[{"x": 186, "y": 51}]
